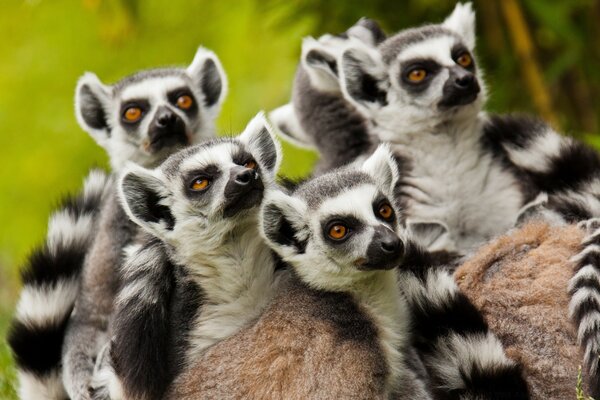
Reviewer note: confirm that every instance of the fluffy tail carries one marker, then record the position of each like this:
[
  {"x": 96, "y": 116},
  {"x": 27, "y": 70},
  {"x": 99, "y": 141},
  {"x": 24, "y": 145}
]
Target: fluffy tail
[
  {"x": 50, "y": 285},
  {"x": 463, "y": 357},
  {"x": 584, "y": 307}
]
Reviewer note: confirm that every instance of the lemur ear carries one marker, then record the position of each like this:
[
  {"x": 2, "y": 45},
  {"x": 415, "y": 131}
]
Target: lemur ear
[
  {"x": 462, "y": 21},
  {"x": 92, "y": 100},
  {"x": 208, "y": 74},
  {"x": 320, "y": 63},
  {"x": 262, "y": 144},
  {"x": 363, "y": 77},
  {"x": 142, "y": 194},
  {"x": 382, "y": 166},
  {"x": 282, "y": 223},
  {"x": 367, "y": 31},
  {"x": 288, "y": 127}
]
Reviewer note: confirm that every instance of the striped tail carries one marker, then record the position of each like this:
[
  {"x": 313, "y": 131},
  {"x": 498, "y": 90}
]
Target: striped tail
[
  {"x": 50, "y": 285},
  {"x": 584, "y": 307},
  {"x": 464, "y": 358}
]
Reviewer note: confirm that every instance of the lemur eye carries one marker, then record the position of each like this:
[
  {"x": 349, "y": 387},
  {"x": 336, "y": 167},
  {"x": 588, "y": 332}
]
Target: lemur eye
[
  {"x": 251, "y": 164},
  {"x": 386, "y": 211},
  {"x": 464, "y": 60},
  {"x": 200, "y": 184},
  {"x": 132, "y": 114},
  {"x": 337, "y": 231},
  {"x": 184, "y": 102},
  {"x": 417, "y": 75}
]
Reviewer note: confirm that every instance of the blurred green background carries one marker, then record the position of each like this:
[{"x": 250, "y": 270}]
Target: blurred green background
[{"x": 539, "y": 55}]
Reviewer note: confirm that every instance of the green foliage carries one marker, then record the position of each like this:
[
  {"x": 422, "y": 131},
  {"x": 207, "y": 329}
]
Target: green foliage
[{"x": 579, "y": 388}]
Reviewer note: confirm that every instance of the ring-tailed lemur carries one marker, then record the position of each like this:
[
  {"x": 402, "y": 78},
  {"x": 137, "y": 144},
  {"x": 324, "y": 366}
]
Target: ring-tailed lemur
[
  {"x": 470, "y": 172},
  {"x": 142, "y": 118},
  {"x": 205, "y": 272},
  {"x": 342, "y": 325},
  {"x": 318, "y": 116},
  {"x": 50, "y": 284}
]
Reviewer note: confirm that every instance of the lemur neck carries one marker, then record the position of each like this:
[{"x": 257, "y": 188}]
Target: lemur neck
[{"x": 240, "y": 267}]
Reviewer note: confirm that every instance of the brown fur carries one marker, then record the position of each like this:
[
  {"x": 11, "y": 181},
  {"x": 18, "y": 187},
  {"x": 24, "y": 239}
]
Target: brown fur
[
  {"x": 294, "y": 351},
  {"x": 519, "y": 282}
]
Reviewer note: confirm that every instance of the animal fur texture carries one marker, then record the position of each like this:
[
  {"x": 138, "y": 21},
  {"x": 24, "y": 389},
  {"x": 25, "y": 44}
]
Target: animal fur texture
[
  {"x": 143, "y": 118},
  {"x": 51, "y": 280},
  {"x": 519, "y": 282},
  {"x": 339, "y": 327}
]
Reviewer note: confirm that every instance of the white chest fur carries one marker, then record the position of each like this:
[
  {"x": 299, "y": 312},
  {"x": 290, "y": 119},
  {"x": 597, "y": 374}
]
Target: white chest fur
[
  {"x": 237, "y": 284},
  {"x": 454, "y": 181}
]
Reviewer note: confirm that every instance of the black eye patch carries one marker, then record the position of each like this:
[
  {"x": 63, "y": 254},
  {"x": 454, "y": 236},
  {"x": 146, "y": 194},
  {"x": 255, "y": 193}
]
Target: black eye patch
[
  {"x": 175, "y": 94},
  {"x": 378, "y": 204},
  {"x": 351, "y": 223},
  {"x": 430, "y": 67},
  {"x": 210, "y": 172},
  {"x": 460, "y": 49},
  {"x": 142, "y": 104},
  {"x": 241, "y": 157}
]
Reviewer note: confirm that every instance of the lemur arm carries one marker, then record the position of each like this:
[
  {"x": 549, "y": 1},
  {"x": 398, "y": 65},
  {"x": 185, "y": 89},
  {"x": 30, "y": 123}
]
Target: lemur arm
[
  {"x": 140, "y": 349},
  {"x": 463, "y": 357}
]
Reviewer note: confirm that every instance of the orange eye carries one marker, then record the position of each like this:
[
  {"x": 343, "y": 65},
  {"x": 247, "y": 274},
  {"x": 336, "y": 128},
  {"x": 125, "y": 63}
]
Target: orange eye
[
  {"x": 386, "y": 211},
  {"x": 184, "y": 102},
  {"x": 465, "y": 60},
  {"x": 251, "y": 164},
  {"x": 200, "y": 184},
  {"x": 132, "y": 114},
  {"x": 338, "y": 231},
  {"x": 417, "y": 75}
]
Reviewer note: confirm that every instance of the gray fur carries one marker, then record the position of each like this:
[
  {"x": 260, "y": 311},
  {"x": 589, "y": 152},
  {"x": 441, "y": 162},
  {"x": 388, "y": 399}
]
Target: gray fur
[{"x": 88, "y": 329}]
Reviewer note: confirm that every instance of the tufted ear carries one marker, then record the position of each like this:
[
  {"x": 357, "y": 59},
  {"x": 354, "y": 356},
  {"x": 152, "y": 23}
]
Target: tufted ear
[
  {"x": 142, "y": 194},
  {"x": 363, "y": 77},
  {"x": 367, "y": 31},
  {"x": 283, "y": 225},
  {"x": 462, "y": 21},
  {"x": 209, "y": 76},
  {"x": 262, "y": 144},
  {"x": 92, "y": 102},
  {"x": 382, "y": 166}
]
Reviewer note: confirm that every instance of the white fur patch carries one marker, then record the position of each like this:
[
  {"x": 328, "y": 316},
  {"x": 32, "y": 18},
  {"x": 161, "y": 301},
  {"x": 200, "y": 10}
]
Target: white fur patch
[
  {"x": 46, "y": 305},
  {"x": 456, "y": 356},
  {"x": 538, "y": 155},
  {"x": 32, "y": 387},
  {"x": 65, "y": 230}
]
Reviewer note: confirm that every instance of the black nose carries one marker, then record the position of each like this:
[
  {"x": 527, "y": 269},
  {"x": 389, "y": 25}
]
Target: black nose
[
  {"x": 245, "y": 177},
  {"x": 390, "y": 245},
  {"x": 465, "y": 82},
  {"x": 166, "y": 118}
]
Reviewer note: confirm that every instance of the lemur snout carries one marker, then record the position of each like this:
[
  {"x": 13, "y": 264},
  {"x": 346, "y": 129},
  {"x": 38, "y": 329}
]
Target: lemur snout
[
  {"x": 245, "y": 177},
  {"x": 461, "y": 88},
  {"x": 385, "y": 251},
  {"x": 244, "y": 190},
  {"x": 166, "y": 129}
]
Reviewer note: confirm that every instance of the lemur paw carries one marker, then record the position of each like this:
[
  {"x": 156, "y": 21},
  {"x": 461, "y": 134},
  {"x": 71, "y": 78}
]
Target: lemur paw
[{"x": 589, "y": 226}]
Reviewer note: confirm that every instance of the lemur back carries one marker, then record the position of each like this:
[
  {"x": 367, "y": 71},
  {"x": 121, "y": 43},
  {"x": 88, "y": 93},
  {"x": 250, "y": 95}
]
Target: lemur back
[{"x": 141, "y": 119}]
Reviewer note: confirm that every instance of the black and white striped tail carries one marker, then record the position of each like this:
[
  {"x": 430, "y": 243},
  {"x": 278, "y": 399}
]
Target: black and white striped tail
[
  {"x": 464, "y": 358},
  {"x": 584, "y": 307},
  {"x": 50, "y": 284}
]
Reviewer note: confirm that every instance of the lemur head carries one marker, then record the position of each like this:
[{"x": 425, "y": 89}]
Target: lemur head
[
  {"x": 320, "y": 56},
  {"x": 419, "y": 78},
  {"x": 318, "y": 73},
  {"x": 338, "y": 228},
  {"x": 145, "y": 117},
  {"x": 203, "y": 194}
]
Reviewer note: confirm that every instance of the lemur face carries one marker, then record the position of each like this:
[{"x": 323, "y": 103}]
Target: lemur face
[
  {"x": 421, "y": 76},
  {"x": 147, "y": 116},
  {"x": 340, "y": 227},
  {"x": 204, "y": 192}
]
